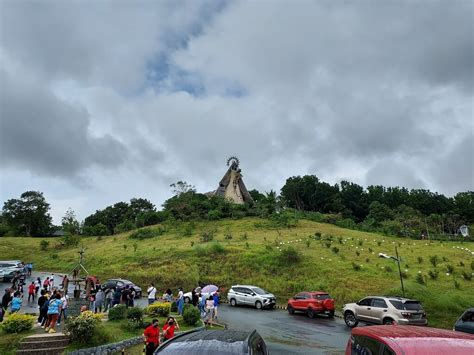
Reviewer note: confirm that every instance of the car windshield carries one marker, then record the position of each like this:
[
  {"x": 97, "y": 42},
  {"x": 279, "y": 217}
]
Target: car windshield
[
  {"x": 407, "y": 306},
  {"x": 322, "y": 297},
  {"x": 259, "y": 291}
]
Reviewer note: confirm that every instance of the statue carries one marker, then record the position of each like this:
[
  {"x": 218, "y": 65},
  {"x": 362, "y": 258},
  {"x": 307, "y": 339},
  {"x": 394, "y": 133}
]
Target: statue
[{"x": 232, "y": 186}]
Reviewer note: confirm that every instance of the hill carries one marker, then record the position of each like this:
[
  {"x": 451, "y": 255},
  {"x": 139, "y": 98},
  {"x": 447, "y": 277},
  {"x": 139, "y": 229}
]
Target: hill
[{"x": 308, "y": 256}]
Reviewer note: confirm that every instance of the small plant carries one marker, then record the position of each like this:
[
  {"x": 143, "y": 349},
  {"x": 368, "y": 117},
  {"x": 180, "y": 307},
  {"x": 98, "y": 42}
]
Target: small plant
[
  {"x": 327, "y": 244},
  {"x": 433, "y": 274},
  {"x": 404, "y": 274},
  {"x": 445, "y": 259},
  {"x": 174, "y": 307},
  {"x": 125, "y": 246},
  {"x": 434, "y": 260},
  {"x": 83, "y": 328},
  {"x": 207, "y": 236},
  {"x": 461, "y": 263},
  {"x": 420, "y": 279},
  {"x": 159, "y": 309},
  {"x": 191, "y": 315},
  {"x": 420, "y": 260},
  {"x": 339, "y": 239},
  {"x": 146, "y": 233},
  {"x": 17, "y": 323},
  {"x": 228, "y": 236},
  {"x": 388, "y": 268},
  {"x": 54, "y": 256},
  {"x": 370, "y": 250},
  {"x": 361, "y": 243},
  {"x": 244, "y": 236},
  {"x": 44, "y": 244},
  {"x": 355, "y": 266},
  {"x": 449, "y": 268},
  {"x": 135, "y": 247},
  {"x": 317, "y": 236},
  {"x": 135, "y": 315},
  {"x": 247, "y": 245},
  {"x": 290, "y": 256},
  {"x": 308, "y": 243},
  {"x": 367, "y": 260},
  {"x": 357, "y": 253},
  {"x": 379, "y": 243},
  {"x": 335, "y": 250},
  {"x": 192, "y": 243},
  {"x": 118, "y": 312},
  {"x": 457, "y": 285},
  {"x": 467, "y": 275}
]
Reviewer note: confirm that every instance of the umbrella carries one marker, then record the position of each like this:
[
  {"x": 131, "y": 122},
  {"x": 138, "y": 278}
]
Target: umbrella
[{"x": 209, "y": 289}]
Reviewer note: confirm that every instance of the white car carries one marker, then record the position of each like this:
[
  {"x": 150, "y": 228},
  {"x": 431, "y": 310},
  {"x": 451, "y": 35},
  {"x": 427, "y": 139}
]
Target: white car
[
  {"x": 251, "y": 296},
  {"x": 8, "y": 268},
  {"x": 188, "y": 296}
]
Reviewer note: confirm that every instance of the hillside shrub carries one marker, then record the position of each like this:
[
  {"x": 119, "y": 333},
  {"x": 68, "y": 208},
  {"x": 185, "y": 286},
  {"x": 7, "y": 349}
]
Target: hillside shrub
[
  {"x": 434, "y": 260},
  {"x": 71, "y": 240},
  {"x": 355, "y": 266},
  {"x": 335, "y": 250},
  {"x": 289, "y": 256},
  {"x": 404, "y": 274},
  {"x": 83, "y": 328},
  {"x": 118, "y": 312},
  {"x": 388, "y": 269},
  {"x": 146, "y": 233},
  {"x": 191, "y": 314},
  {"x": 467, "y": 275},
  {"x": 420, "y": 260},
  {"x": 17, "y": 323},
  {"x": 450, "y": 268},
  {"x": 461, "y": 263},
  {"x": 217, "y": 248},
  {"x": 457, "y": 285},
  {"x": 44, "y": 244},
  {"x": 433, "y": 274},
  {"x": 358, "y": 253},
  {"x": 159, "y": 309},
  {"x": 328, "y": 244},
  {"x": 207, "y": 235},
  {"x": 135, "y": 314},
  {"x": 420, "y": 279}
]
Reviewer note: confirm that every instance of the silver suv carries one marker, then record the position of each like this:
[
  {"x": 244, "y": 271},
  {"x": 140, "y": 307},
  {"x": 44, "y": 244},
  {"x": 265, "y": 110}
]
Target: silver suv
[
  {"x": 384, "y": 310},
  {"x": 251, "y": 296}
]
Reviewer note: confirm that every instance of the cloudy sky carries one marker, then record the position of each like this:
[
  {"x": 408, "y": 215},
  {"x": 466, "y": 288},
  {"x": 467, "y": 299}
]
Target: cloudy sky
[{"x": 102, "y": 101}]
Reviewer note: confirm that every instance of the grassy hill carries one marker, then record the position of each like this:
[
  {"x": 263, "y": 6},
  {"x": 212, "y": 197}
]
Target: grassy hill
[{"x": 309, "y": 256}]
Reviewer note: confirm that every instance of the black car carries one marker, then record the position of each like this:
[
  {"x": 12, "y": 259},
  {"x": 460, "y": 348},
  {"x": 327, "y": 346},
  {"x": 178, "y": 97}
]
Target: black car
[
  {"x": 465, "y": 323},
  {"x": 121, "y": 284},
  {"x": 203, "y": 341}
]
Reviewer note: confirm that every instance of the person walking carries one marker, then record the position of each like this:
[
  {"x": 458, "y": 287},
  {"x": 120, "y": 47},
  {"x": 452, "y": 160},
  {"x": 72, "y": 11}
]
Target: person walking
[
  {"x": 54, "y": 308},
  {"x": 6, "y": 299},
  {"x": 92, "y": 302},
  {"x": 209, "y": 310},
  {"x": 215, "y": 298},
  {"x": 109, "y": 299},
  {"x": 180, "y": 301},
  {"x": 37, "y": 285},
  {"x": 51, "y": 282},
  {"x": 170, "y": 326},
  {"x": 29, "y": 268},
  {"x": 16, "y": 302},
  {"x": 151, "y": 293},
  {"x": 31, "y": 291},
  {"x": 64, "y": 306},
  {"x": 117, "y": 296},
  {"x": 99, "y": 301},
  {"x": 44, "y": 309},
  {"x": 41, "y": 301},
  {"x": 65, "y": 283},
  {"x": 131, "y": 297},
  {"x": 152, "y": 337},
  {"x": 194, "y": 297},
  {"x": 168, "y": 296},
  {"x": 46, "y": 284}
]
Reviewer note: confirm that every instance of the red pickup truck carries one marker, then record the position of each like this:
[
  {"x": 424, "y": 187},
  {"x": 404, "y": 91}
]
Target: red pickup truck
[{"x": 311, "y": 303}]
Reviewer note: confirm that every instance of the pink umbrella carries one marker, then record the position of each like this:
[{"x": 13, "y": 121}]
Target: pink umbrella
[{"x": 209, "y": 289}]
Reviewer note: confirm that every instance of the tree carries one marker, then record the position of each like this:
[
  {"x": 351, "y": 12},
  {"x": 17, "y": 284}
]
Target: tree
[
  {"x": 181, "y": 187},
  {"x": 70, "y": 223},
  {"x": 28, "y": 214}
]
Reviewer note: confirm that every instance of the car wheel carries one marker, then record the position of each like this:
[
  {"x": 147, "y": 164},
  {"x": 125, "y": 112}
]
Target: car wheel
[
  {"x": 388, "y": 321},
  {"x": 310, "y": 313},
  {"x": 233, "y": 302},
  {"x": 290, "y": 309},
  {"x": 331, "y": 314},
  {"x": 187, "y": 300},
  {"x": 258, "y": 305},
  {"x": 350, "y": 319}
]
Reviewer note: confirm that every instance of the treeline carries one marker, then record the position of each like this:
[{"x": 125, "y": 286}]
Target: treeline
[{"x": 389, "y": 210}]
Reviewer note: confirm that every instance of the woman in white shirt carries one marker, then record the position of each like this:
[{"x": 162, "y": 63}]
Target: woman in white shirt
[
  {"x": 209, "y": 310},
  {"x": 151, "y": 294}
]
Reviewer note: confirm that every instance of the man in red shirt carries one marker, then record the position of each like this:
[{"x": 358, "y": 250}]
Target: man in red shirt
[
  {"x": 169, "y": 328},
  {"x": 31, "y": 291},
  {"x": 152, "y": 337}
]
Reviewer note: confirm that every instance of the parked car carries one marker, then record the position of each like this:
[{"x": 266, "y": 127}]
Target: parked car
[
  {"x": 121, "y": 284},
  {"x": 311, "y": 303},
  {"x": 215, "y": 342},
  {"x": 251, "y": 296},
  {"x": 408, "y": 340},
  {"x": 384, "y": 310},
  {"x": 8, "y": 268},
  {"x": 465, "y": 323}
]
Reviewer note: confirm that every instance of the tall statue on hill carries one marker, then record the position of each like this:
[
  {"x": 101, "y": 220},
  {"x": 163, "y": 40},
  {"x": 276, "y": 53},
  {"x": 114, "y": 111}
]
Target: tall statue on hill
[{"x": 232, "y": 186}]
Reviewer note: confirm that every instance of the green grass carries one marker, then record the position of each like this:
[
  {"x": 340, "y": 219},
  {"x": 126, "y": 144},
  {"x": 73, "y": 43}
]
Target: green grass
[
  {"x": 9, "y": 342},
  {"x": 245, "y": 251}
]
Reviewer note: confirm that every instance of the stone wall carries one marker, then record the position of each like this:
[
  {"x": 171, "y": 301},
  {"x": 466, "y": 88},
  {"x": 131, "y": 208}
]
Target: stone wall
[{"x": 109, "y": 348}]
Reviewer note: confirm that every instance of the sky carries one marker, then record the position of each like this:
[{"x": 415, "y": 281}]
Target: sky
[{"x": 103, "y": 101}]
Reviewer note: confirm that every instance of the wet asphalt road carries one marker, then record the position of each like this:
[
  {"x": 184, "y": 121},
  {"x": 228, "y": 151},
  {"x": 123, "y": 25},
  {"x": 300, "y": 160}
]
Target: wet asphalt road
[{"x": 289, "y": 334}]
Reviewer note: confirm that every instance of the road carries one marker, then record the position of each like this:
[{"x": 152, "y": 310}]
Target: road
[{"x": 289, "y": 334}]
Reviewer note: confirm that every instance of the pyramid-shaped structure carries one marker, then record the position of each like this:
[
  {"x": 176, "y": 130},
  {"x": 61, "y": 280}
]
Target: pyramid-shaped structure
[{"x": 232, "y": 186}]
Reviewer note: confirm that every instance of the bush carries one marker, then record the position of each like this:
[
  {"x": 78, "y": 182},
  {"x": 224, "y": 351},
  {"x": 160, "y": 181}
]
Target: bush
[
  {"x": 191, "y": 314},
  {"x": 420, "y": 279},
  {"x": 449, "y": 268},
  {"x": 174, "y": 307},
  {"x": 358, "y": 253},
  {"x": 355, "y": 266},
  {"x": 159, "y": 309},
  {"x": 388, "y": 268},
  {"x": 146, "y": 233},
  {"x": 404, "y": 274},
  {"x": 290, "y": 256},
  {"x": 467, "y": 276},
  {"x": 420, "y": 260},
  {"x": 71, "y": 240},
  {"x": 118, "y": 312},
  {"x": 207, "y": 236},
  {"x": 44, "y": 244},
  {"x": 17, "y": 323},
  {"x": 433, "y": 274},
  {"x": 457, "y": 285},
  {"x": 434, "y": 260},
  {"x": 135, "y": 314},
  {"x": 328, "y": 244},
  {"x": 335, "y": 250},
  {"x": 83, "y": 327}
]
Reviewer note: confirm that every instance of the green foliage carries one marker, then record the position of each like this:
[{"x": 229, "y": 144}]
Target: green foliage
[
  {"x": 70, "y": 240},
  {"x": 445, "y": 259},
  {"x": 434, "y": 260},
  {"x": 356, "y": 267},
  {"x": 361, "y": 243},
  {"x": 118, "y": 312},
  {"x": 83, "y": 328},
  {"x": 357, "y": 253},
  {"x": 135, "y": 247},
  {"x": 191, "y": 314},
  {"x": 433, "y": 274},
  {"x": 17, "y": 323},
  {"x": 70, "y": 224},
  {"x": 207, "y": 235},
  {"x": 388, "y": 268},
  {"x": 308, "y": 243},
  {"x": 159, "y": 309},
  {"x": 290, "y": 256},
  {"x": 146, "y": 233},
  {"x": 335, "y": 250},
  {"x": 125, "y": 226},
  {"x": 457, "y": 285},
  {"x": 420, "y": 260},
  {"x": 472, "y": 265},
  {"x": 174, "y": 307},
  {"x": 466, "y": 275},
  {"x": 420, "y": 279},
  {"x": 450, "y": 268},
  {"x": 379, "y": 243},
  {"x": 405, "y": 274},
  {"x": 135, "y": 314},
  {"x": 327, "y": 244},
  {"x": 44, "y": 244}
]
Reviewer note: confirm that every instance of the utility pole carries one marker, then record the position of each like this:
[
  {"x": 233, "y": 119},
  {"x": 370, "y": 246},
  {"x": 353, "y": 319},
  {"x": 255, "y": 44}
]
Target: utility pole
[{"x": 400, "y": 271}]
